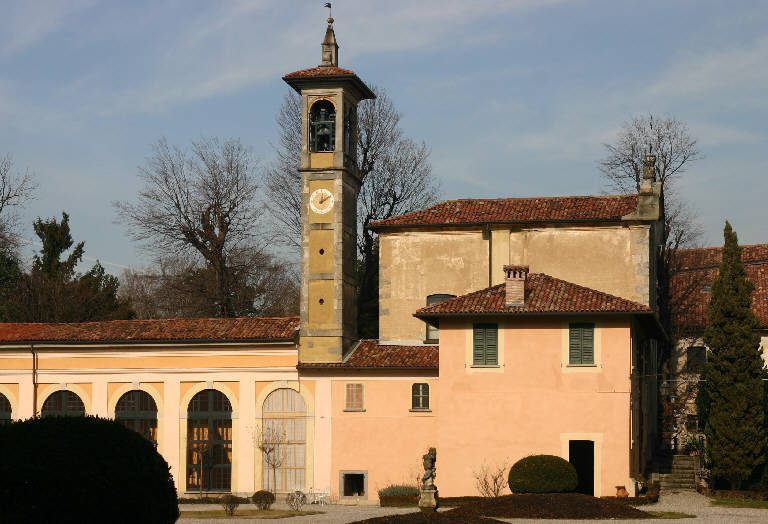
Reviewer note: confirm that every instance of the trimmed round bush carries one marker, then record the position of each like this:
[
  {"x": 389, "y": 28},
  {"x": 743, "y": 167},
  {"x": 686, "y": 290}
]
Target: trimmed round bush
[
  {"x": 542, "y": 474},
  {"x": 263, "y": 499},
  {"x": 82, "y": 469}
]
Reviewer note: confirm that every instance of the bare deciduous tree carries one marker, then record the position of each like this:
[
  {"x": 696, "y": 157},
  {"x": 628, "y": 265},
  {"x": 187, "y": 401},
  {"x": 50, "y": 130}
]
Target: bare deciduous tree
[
  {"x": 675, "y": 149},
  {"x": 178, "y": 287},
  {"x": 271, "y": 439},
  {"x": 667, "y": 138},
  {"x": 16, "y": 189},
  {"x": 201, "y": 203},
  {"x": 397, "y": 178}
]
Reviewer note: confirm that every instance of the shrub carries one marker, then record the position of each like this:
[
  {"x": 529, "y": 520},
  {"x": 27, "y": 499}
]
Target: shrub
[
  {"x": 490, "y": 481},
  {"x": 542, "y": 474},
  {"x": 77, "y": 469},
  {"x": 399, "y": 490},
  {"x": 263, "y": 499},
  {"x": 229, "y": 503}
]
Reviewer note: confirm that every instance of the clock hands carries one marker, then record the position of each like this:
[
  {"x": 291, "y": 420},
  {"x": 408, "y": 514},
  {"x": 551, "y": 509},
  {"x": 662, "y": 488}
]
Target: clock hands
[{"x": 324, "y": 198}]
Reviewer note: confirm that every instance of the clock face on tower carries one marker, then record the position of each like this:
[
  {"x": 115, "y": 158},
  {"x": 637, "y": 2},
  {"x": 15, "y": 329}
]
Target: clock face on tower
[{"x": 321, "y": 201}]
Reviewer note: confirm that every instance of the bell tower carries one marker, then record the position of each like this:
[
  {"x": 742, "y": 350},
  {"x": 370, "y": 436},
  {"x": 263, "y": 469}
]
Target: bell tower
[{"x": 329, "y": 187}]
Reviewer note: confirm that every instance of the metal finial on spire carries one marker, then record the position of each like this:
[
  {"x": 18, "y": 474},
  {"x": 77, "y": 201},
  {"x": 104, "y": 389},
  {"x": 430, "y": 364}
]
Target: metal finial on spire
[
  {"x": 330, "y": 47},
  {"x": 330, "y": 12}
]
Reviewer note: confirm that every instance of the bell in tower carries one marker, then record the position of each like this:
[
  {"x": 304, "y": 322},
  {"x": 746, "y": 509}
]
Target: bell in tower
[{"x": 329, "y": 187}]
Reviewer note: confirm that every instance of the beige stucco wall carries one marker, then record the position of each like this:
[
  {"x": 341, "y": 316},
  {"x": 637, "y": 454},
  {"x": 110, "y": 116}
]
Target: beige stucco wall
[
  {"x": 615, "y": 259},
  {"x": 171, "y": 374},
  {"x": 413, "y": 265}
]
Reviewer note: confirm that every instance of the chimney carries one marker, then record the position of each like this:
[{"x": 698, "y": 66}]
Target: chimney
[{"x": 515, "y": 285}]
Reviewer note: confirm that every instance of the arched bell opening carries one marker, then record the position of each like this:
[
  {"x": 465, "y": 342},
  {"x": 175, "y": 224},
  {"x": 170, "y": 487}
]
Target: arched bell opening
[{"x": 322, "y": 127}]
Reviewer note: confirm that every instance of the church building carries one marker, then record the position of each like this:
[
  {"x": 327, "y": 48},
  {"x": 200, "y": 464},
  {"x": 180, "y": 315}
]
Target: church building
[{"x": 507, "y": 327}]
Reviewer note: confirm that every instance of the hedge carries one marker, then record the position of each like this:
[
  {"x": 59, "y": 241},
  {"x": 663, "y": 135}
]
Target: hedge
[{"x": 82, "y": 469}]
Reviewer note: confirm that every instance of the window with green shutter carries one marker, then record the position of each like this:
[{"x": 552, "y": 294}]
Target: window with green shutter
[
  {"x": 581, "y": 344},
  {"x": 485, "y": 345}
]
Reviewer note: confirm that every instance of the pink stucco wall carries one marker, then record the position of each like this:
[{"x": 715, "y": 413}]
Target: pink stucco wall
[
  {"x": 387, "y": 439},
  {"x": 530, "y": 404}
]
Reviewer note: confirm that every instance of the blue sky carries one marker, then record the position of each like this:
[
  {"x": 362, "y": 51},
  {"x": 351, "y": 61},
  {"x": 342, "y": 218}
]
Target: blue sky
[{"x": 515, "y": 98}]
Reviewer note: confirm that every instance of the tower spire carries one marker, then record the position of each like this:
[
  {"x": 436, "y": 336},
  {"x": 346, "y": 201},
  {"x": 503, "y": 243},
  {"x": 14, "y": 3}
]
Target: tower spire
[{"x": 329, "y": 45}]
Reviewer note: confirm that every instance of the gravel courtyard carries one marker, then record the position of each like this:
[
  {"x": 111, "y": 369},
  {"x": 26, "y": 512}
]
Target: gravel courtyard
[{"x": 684, "y": 502}]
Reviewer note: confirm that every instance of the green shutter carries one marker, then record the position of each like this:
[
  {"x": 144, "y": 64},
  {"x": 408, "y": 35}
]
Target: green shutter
[
  {"x": 588, "y": 344},
  {"x": 478, "y": 345},
  {"x": 574, "y": 345},
  {"x": 581, "y": 344},
  {"x": 491, "y": 344},
  {"x": 485, "y": 345}
]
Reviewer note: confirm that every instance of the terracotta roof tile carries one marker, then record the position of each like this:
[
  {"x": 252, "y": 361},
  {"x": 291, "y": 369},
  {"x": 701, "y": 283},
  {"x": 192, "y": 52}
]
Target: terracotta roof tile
[
  {"x": 172, "y": 330},
  {"x": 318, "y": 72},
  {"x": 369, "y": 354},
  {"x": 543, "y": 294},
  {"x": 695, "y": 271},
  {"x": 514, "y": 210}
]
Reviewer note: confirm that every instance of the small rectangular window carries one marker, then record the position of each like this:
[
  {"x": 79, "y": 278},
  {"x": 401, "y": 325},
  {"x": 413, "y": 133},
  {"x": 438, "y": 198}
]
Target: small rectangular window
[
  {"x": 581, "y": 344},
  {"x": 354, "y": 397},
  {"x": 485, "y": 345},
  {"x": 420, "y": 397},
  {"x": 433, "y": 332}
]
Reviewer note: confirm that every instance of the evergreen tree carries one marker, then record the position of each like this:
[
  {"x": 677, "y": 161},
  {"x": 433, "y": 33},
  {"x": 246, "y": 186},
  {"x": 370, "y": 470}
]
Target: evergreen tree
[
  {"x": 735, "y": 427},
  {"x": 52, "y": 291}
]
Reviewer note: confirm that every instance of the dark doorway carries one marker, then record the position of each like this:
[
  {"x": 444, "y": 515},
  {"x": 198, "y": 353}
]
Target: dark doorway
[{"x": 581, "y": 454}]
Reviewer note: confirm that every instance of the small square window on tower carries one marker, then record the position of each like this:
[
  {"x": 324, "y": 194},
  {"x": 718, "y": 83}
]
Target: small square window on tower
[{"x": 354, "y": 397}]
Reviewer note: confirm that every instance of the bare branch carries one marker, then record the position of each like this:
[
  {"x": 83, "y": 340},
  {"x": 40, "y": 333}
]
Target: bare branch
[{"x": 16, "y": 189}]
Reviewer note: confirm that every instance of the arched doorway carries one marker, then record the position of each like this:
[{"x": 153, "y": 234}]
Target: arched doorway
[
  {"x": 209, "y": 442},
  {"x": 5, "y": 409},
  {"x": 63, "y": 403},
  {"x": 285, "y": 434},
  {"x": 137, "y": 410}
]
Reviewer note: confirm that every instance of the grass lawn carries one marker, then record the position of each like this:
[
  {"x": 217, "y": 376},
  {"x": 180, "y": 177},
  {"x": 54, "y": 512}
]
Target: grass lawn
[
  {"x": 741, "y": 503},
  {"x": 247, "y": 514},
  {"x": 671, "y": 515}
]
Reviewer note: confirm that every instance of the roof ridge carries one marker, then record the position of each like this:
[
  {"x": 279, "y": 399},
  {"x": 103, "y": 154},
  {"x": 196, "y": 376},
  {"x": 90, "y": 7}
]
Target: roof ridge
[
  {"x": 693, "y": 249},
  {"x": 143, "y": 320}
]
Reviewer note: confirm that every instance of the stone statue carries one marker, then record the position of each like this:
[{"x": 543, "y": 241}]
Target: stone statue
[
  {"x": 428, "y": 499},
  {"x": 429, "y": 459}
]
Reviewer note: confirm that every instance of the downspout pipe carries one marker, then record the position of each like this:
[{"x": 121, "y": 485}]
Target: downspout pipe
[{"x": 34, "y": 380}]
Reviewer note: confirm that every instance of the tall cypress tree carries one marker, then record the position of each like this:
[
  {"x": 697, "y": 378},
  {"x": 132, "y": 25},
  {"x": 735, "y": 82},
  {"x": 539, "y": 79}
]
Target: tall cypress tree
[{"x": 735, "y": 427}]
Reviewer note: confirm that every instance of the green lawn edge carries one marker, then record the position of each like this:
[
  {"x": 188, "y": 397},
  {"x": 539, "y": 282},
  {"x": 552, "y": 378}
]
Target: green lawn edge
[{"x": 740, "y": 503}]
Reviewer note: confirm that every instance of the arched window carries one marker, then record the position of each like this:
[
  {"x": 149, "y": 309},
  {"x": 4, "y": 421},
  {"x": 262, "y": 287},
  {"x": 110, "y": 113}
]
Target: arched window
[
  {"x": 322, "y": 127},
  {"x": 420, "y": 396},
  {"x": 209, "y": 442},
  {"x": 137, "y": 410},
  {"x": 284, "y": 437},
  {"x": 63, "y": 403},
  {"x": 5, "y": 410}
]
